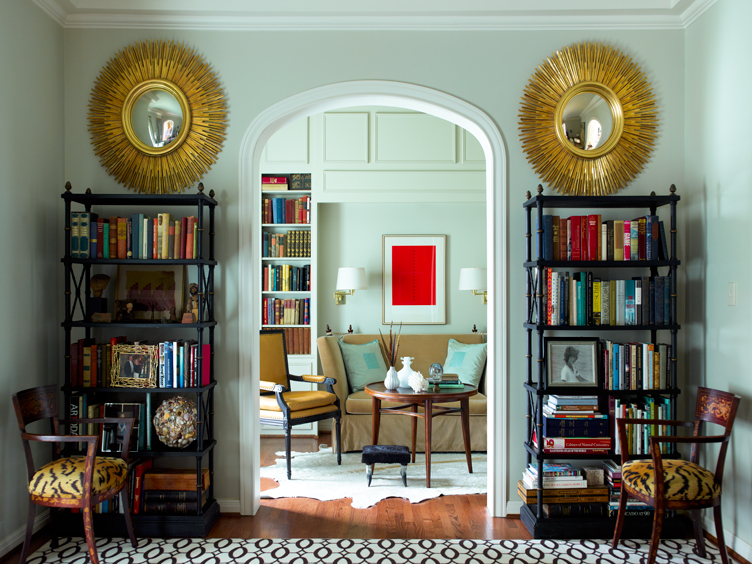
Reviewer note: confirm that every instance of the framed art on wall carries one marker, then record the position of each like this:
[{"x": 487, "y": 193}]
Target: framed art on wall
[
  {"x": 414, "y": 279},
  {"x": 156, "y": 293},
  {"x": 572, "y": 361}
]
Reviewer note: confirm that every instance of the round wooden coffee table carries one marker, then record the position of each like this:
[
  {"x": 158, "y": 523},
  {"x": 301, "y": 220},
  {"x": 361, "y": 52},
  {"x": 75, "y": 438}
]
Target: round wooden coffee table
[{"x": 412, "y": 400}]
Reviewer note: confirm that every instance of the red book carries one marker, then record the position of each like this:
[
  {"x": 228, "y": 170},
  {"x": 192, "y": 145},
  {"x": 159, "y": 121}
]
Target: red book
[
  {"x": 549, "y": 301},
  {"x": 189, "y": 237},
  {"x": 74, "y": 364},
  {"x": 627, "y": 240},
  {"x": 100, "y": 237},
  {"x": 122, "y": 232},
  {"x": 113, "y": 238},
  {"x": 129, "y": 238},
  {"x": 576, "y": 237},
  {"x": 155, "y": 238},
  {"x": 183, "y": 238},
  {"x": 567, "y": 443},
  {"x": 274, "y": 180},
  {"x": 94, "y": 373},
  {"x": 138, "y": 484},
  {"x": 641, "y": 237},
  {"x": 206, "y": 365},
  {"x": 594, "y": 228}
]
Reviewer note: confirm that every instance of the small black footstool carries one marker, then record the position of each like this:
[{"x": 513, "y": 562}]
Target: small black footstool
[{"x": 385, "y": 454}]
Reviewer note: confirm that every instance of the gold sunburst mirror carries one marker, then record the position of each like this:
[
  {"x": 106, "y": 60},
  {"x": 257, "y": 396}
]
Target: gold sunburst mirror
[
  {"x": 588, "y": 120},
  {"x": 157, "y": 117}
]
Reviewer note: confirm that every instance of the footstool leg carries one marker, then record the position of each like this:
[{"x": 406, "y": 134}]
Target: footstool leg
[
  {"x": 403, "y": 472},
  {"x": 369, "y": 473}
]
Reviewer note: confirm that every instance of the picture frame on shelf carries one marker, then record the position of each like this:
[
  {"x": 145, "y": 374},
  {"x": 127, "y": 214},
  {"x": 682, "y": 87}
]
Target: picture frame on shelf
[
  {"x": 157, "y": 292},
  {"x": 571, "y": 361},
  {"x": 135, "y": 366},
  {"x": 414, "y": 279},
  {"x": 112, "y": 435}
]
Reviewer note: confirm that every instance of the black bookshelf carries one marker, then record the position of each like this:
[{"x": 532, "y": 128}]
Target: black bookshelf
[
  {"x": 535, "y": 385},
  {"x": 200, "y": 453}
]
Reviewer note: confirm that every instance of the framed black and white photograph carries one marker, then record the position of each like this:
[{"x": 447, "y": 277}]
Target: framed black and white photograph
[{"x": 571, "y": 361}]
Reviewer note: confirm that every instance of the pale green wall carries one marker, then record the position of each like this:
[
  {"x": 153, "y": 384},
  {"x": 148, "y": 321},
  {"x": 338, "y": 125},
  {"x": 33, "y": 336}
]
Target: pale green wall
[
  {"x": 31, "y": 180},
  {"x": 718, "y": 206},
  {"x": 257, "y": 70}
]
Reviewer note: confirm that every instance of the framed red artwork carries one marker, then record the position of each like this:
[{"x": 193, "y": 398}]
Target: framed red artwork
[{"x": 414, "y": 280}]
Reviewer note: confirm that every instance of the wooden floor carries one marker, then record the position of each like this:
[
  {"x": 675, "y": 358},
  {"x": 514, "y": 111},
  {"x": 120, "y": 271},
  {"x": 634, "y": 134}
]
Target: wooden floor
[{"x": 446, "y": 517}]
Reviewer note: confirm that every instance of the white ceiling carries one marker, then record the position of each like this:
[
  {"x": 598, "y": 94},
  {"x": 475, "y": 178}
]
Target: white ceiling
[{"x": 376, "y": 14}]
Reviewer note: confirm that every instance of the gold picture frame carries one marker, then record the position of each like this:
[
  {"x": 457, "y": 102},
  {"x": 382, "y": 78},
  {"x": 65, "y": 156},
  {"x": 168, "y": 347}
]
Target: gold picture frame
[
  {"x": 166, "y": 159},
  {"x": 599, "y": 70},
  {"x": 135, "y": 366}
]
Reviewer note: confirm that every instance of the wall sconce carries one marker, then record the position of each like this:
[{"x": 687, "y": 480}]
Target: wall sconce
[
  {"x": 349, "y": 279},
  {"x": 474, "y": 279}
]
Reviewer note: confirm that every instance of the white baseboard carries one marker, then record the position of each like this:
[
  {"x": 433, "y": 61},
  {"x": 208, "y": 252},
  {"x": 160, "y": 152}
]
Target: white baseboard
[
  {"x": 16, "y": 538},
  {"x": 229, "y": 505},
  {"x": 733, "y": 542},
  {"x": 514, "y": 508}
]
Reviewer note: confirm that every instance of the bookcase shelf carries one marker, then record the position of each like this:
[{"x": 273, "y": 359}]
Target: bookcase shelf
[
  {"x": 78, "y": 273},
  {"x": 536, "y": 385}
]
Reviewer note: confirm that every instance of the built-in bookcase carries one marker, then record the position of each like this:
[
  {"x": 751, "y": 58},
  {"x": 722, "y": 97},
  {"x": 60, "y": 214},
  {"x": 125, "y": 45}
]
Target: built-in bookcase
[{"x": 539, "y": 262}]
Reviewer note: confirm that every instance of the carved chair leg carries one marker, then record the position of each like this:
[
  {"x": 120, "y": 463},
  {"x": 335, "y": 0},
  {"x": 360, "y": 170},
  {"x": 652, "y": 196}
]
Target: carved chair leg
[
  {"x": 89, "y": 534},
  {"x": 620, "y": 518},
  {"x": 128, "y": 520},
  {"x": 719, "y": 534},
  {"x": 54, "y": 522},
  {"x": 699, "y": 537},
  {"x": 339, "y": 441},
  {"x": 288, "y": 451},
  {"x": 655, "y": 540},
  {"x": 29, "y": 532}
]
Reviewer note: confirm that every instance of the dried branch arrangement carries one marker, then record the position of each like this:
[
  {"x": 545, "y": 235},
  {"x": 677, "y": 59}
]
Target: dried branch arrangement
[{"x": 393, "y": 348}]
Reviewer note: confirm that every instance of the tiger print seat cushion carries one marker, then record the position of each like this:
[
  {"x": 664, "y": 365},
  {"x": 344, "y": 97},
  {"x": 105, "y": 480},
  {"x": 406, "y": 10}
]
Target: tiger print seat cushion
[
  {"x": 682, "y": 480},
  {"x": 64, "y": 478}
]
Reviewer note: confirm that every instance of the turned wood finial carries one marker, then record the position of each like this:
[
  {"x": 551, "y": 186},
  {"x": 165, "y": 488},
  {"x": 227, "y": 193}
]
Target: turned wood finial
[
  {"x": 68, "y": 186},
  {"x": 528, "y": 195},
  {"x": 672, "y": 189},
  {"x": 540, "y": 189},
  {"x": 652, "y": 193},
  {"x": 475, "y": 329},
  {"x": 211, "y": 193},
  {"x": 201, "y": 187},
  {"x": 88, "y": 190},
  {"x": 328, "y": 331},
  {"x": 350, "y": 330}
]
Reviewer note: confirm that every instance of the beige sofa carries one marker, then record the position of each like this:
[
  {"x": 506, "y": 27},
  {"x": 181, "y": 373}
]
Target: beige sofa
[{"x": 395, "y": 429}]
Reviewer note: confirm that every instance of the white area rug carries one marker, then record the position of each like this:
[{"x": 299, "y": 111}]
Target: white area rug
[
  {"x": 316, "y": 475},
  {"x": 375, "y": 551}
]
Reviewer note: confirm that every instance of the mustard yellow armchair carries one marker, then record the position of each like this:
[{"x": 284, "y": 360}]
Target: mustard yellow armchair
[{"x": 283, "y": 408}]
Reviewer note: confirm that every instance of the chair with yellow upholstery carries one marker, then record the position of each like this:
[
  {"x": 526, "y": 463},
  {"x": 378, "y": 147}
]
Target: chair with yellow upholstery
[
  {"x": 679, "y": 484},
  {"x": 74, "y": 482},
  {"x": 281, "y": 407}
]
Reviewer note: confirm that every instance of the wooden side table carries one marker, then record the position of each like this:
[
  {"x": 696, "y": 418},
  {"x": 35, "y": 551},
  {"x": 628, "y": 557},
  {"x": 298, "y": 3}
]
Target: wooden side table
[{"x": 413, "y": 400}]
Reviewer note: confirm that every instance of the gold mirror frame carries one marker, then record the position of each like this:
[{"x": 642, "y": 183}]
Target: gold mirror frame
[
  {"x": 157, "y": 65},
  {"x": 603, "y": 70}
]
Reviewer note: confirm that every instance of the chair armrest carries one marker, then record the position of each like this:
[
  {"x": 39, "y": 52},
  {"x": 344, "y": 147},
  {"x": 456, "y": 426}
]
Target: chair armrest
[
  {"x": 271, "y": 387},
  {"x": 128, "y": 421},
  {"x": 701, "y": 439},
  {"x": 621, "y": 428},
  {"x": 59, "y": 438},
  {"x": 314, "y": 379}
]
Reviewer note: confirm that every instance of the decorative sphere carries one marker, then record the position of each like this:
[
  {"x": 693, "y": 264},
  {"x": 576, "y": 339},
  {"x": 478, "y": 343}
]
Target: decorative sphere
[{"x": 176, "y": 422}]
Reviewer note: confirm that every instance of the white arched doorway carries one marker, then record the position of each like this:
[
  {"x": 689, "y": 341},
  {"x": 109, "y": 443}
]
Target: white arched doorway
[{"x": 377, "y": 93}]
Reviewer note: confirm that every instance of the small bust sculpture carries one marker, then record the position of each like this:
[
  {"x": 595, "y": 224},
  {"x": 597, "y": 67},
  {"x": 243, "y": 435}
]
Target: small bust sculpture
[
  {"x": 98, "y": 283},
  {"x": 191, "y": 305}
]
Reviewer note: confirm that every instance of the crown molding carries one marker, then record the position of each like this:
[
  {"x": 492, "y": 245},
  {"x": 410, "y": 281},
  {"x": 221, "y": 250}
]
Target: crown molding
[{"x": 395, "y": 21}]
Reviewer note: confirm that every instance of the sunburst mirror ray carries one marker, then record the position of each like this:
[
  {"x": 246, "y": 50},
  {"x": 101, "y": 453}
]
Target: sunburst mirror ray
[
  {"x": 614, "y": 155},
  {"x": 157, "y": 117}
]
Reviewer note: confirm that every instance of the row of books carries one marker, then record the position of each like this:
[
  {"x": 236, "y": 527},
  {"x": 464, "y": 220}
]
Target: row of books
[
  {"x": 293, "y": 245},
  {"x": 286, "y": 210},
  {"x": 636, "y": 366},
  {"x": 135, "y": 237},
  {"x": 588, "y": 238},
  {"x": 574, "y": 417},
  {"x": 286, "y": 278},
  {"x": 179, "y": 362},
  {"x": 295, "y": 181},
  {"x": 297, "y": 339},
  {"x": 91, "y": 363},
  {"x": 638, "y": 436},
  {"x": 585, "y": 300},
  {"x": 278, "y": 311}
]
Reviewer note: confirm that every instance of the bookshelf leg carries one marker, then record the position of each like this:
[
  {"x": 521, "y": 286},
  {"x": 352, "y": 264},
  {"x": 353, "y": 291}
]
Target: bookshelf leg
[
  {"x": 128, "y": 520},
  {"x": 89, "y": 534},
  {"x": 699, "y": 537},
  {"x": 29, "y": 531},
  {"x": 655, "y": 540},
  {"x": 719, "y": 534},
  {"x": 620, "y": 518}
]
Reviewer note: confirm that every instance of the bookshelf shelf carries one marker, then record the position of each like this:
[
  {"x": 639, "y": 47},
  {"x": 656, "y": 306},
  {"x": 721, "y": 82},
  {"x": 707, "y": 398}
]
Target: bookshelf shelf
[
  {"x": 287, "y": 225},
  {"x": 536, "y": 386},
  {"x": 80, "y": 398}
]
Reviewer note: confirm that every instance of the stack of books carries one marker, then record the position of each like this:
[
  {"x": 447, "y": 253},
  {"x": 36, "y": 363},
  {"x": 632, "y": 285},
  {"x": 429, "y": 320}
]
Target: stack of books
[
  {"x": 560, "y": 501},
  {"x": 635, "y": 508},
  {"x": 274, "y": 183},
  {"x": 172, "y": 491},
  {"x": 573, "y": 425},
  {"x": 556, "y": 476},
  {"x": 448, "y": 381}
]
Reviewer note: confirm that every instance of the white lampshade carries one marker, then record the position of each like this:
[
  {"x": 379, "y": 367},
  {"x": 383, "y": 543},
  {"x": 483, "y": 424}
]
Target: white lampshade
[
  {"x": 473, "y": 279},
  {"x": 351, "y": 278}
]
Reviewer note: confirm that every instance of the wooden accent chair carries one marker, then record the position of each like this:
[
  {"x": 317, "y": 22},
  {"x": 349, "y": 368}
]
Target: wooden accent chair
[
  {"x": 679, "y": 484},
  {"x": 74, "y": 482},
  {"x": 283, "y": 408}
]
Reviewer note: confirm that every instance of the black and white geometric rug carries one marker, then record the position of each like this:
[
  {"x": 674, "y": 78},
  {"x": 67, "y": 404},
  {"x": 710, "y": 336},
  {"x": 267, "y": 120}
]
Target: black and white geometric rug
[{"x": 374, "y": 551}]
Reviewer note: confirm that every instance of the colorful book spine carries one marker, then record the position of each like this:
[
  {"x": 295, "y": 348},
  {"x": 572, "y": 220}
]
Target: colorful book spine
[
  {"x": 83, "y": 234},
  {"x": 75, "y": 235}
]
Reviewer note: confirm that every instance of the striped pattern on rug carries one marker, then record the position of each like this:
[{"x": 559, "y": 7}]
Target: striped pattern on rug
[{"x": 373, "y": 551}]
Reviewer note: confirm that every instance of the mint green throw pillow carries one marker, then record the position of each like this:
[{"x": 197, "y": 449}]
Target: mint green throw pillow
[
  {"x": 467, "y": 361},
  {"x": 363, "y": 363}
]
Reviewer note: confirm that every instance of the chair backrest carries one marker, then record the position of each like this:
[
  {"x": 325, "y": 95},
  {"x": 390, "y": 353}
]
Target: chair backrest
[
  {"x": 35, "y": 404},
  {"x": 273, "y": 357},
  {"x": 718, "y": 407}
]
